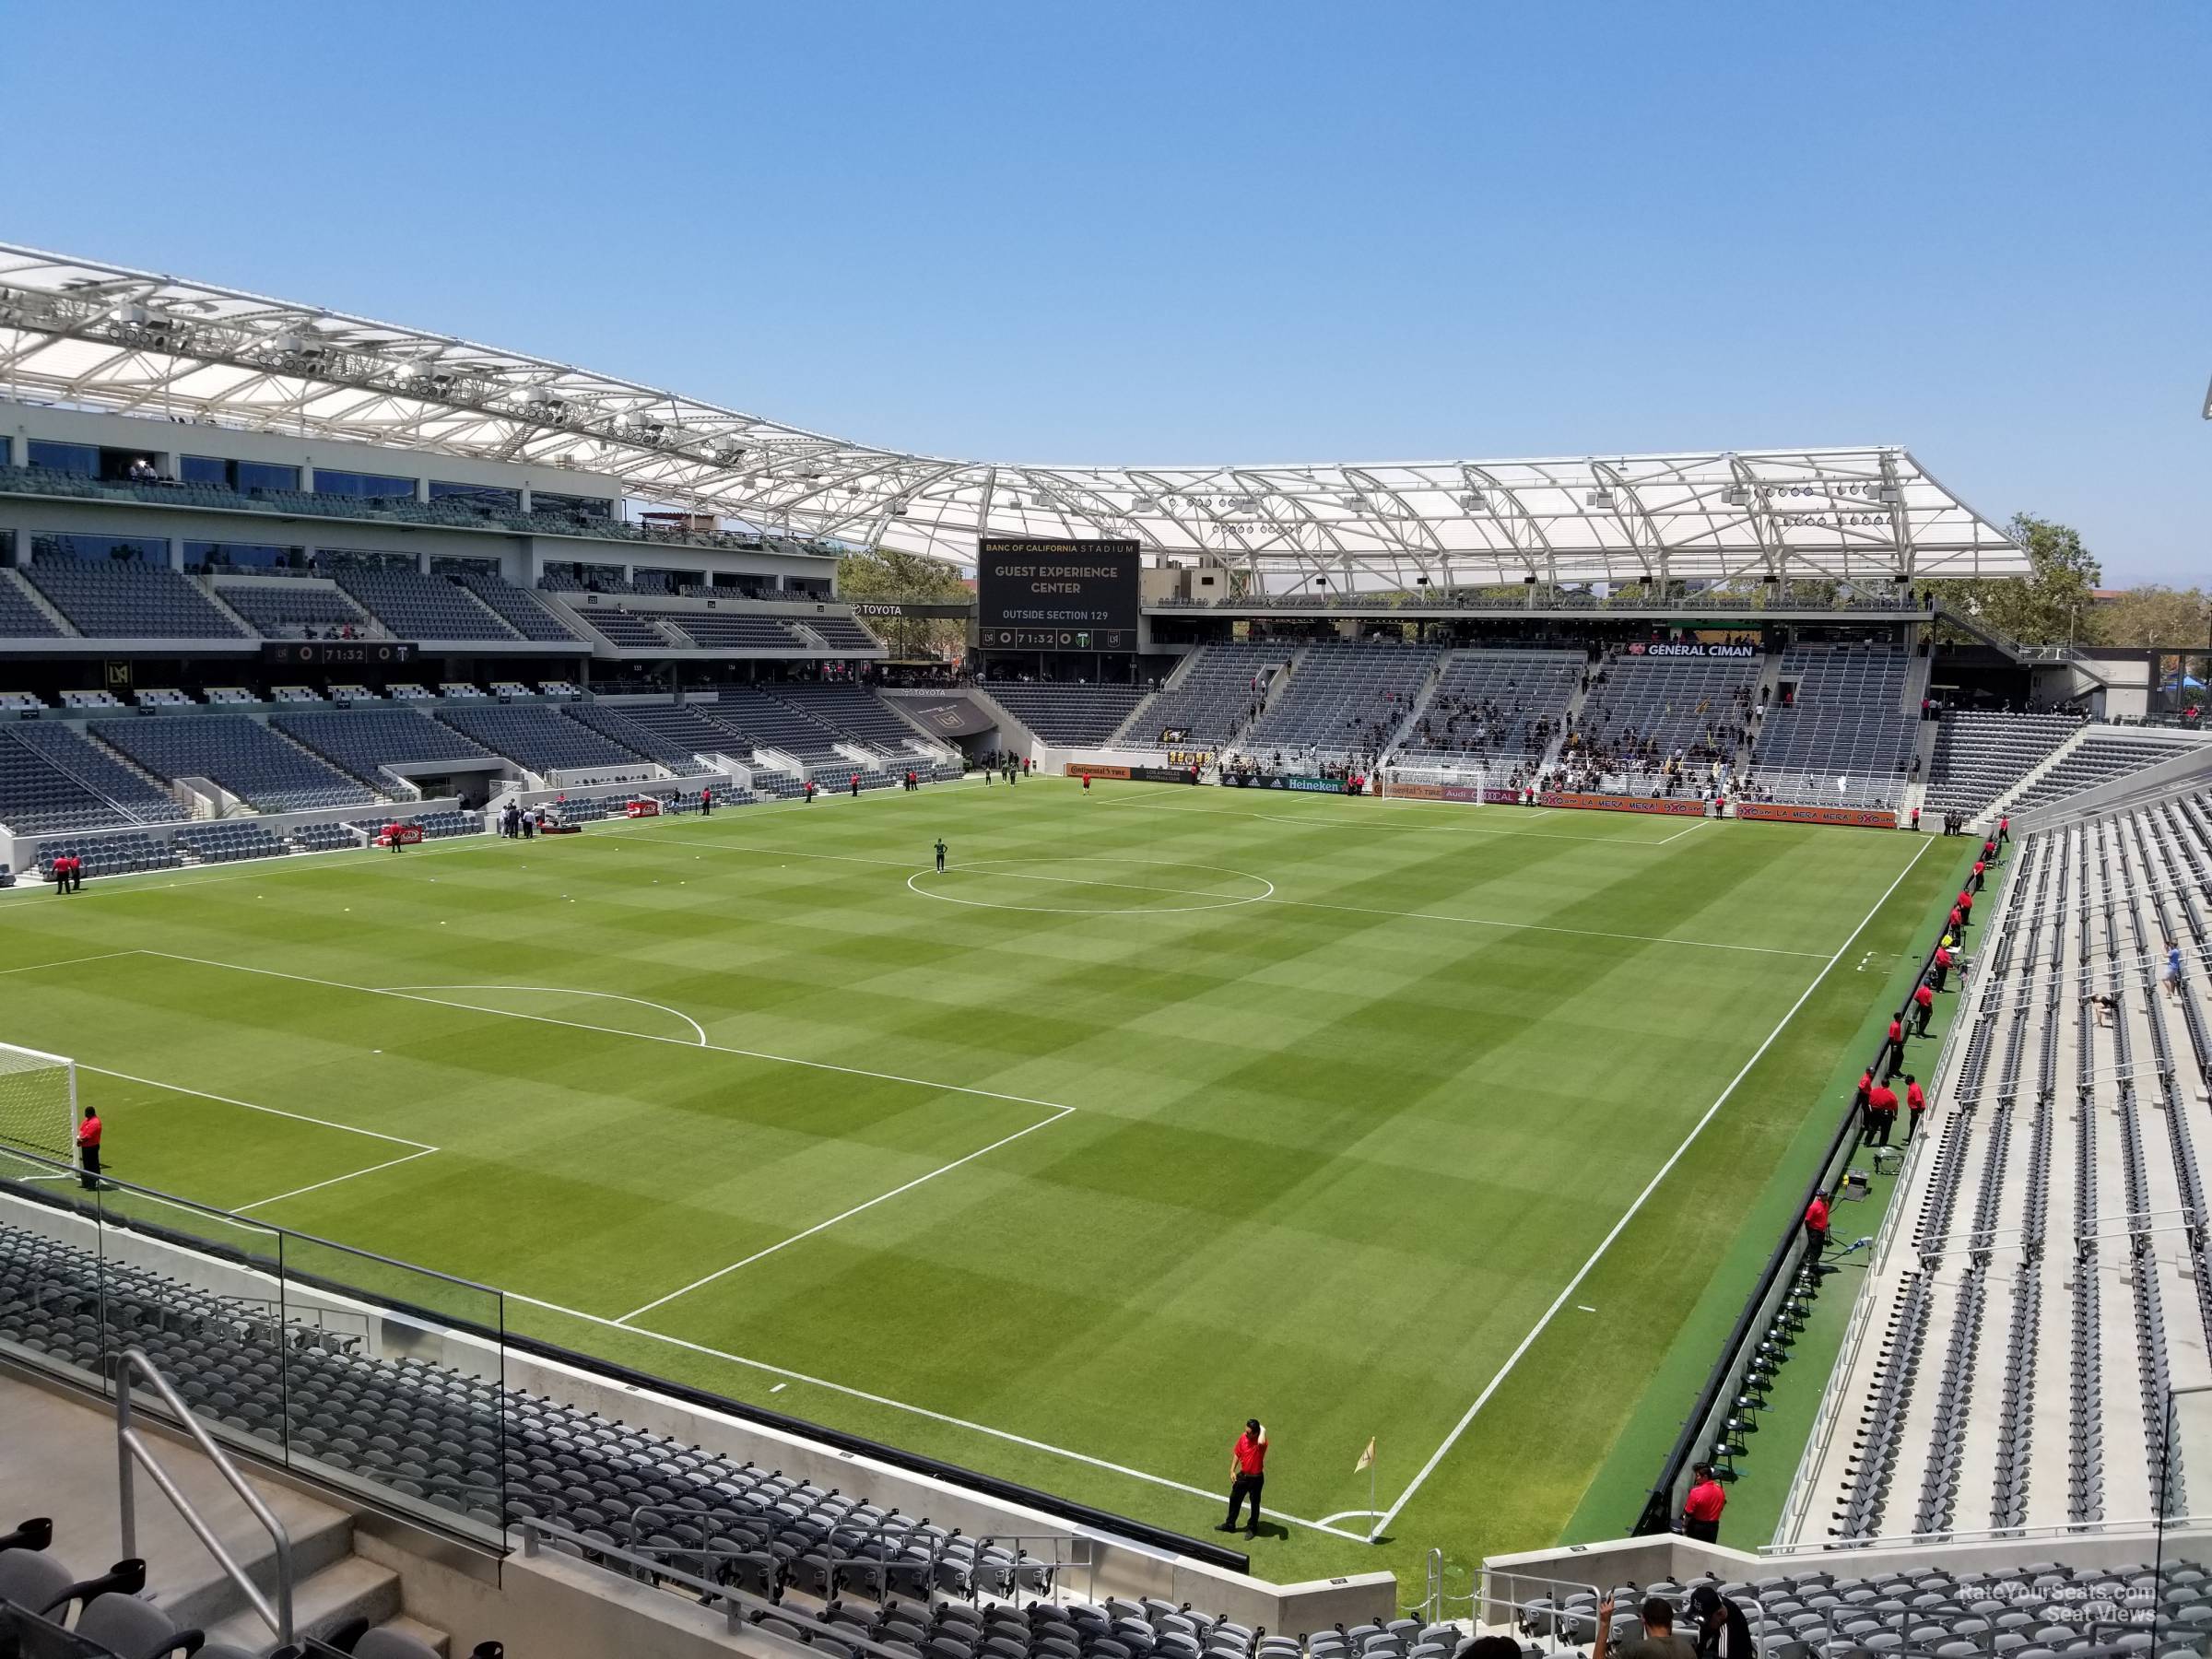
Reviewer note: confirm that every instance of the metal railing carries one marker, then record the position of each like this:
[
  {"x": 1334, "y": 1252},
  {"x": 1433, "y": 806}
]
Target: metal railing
[
  {"x": 131, "y": 1450},
  {"x": 740, "y": 1607}
]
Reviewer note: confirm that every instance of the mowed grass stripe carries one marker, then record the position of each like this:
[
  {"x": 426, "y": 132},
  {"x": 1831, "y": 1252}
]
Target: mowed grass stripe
[{"x": 1328, "y": 1165}]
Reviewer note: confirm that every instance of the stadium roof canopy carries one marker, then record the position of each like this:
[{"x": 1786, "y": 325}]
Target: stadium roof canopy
[{"x": 103, "y": 336}]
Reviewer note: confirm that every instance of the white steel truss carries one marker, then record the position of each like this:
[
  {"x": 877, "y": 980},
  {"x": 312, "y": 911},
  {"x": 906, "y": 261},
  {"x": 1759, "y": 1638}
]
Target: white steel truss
[{"x": 105, "y": 337}]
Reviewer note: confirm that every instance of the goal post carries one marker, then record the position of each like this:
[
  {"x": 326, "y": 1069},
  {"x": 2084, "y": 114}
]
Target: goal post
[
  {"x": 38, "y": 1103},
  {"x": 1402, "y": 781}
]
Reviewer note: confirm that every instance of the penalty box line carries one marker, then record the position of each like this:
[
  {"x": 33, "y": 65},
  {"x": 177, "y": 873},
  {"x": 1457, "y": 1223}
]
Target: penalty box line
[
  {"x": 1210, "y": 1494},
  {"x": 1651, "y": 1186}
]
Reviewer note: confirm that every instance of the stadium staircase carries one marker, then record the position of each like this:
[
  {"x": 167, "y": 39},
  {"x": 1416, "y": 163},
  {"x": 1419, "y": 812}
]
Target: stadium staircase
[
  {"x": 2036, "y": 774},
  {"x": 1123, "y": 737},
  {"x": 63, "y": 1462},
  {"x": 214, "y": 597},
  {"x": 29, "y": 594}
]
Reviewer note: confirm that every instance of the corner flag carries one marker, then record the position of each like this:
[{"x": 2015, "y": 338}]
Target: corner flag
[{"x": 1367, "y": 1458}]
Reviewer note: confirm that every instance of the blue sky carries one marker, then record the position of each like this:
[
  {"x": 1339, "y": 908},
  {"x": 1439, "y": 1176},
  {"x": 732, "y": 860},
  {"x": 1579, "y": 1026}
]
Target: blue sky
[{"x": 1214, "y": 232}]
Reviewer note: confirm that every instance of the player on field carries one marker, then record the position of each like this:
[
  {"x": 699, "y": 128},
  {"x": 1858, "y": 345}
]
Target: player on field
[{"x": 940, "y": 853}]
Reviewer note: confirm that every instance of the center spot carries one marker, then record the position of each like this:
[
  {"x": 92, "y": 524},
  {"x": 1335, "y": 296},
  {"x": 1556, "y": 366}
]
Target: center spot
[{"x": 1091, "y": 886}]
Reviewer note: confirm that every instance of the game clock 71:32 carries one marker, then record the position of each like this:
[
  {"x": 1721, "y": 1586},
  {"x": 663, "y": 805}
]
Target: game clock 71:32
[{"x": 1059, "y": 638}]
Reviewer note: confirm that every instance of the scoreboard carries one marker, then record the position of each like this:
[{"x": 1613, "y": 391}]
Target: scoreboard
[{"x": 1055, "y": 596}]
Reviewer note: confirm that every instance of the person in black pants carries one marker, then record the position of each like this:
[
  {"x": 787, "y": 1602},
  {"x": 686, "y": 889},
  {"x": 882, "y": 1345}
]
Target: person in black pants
[
  {"x": 1248, "y": 1475},
  {"x": 940, "y": 853}
]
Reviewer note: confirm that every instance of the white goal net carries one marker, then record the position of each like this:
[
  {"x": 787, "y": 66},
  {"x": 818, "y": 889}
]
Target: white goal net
[
  {"x": 38, "y": 1103},
  {"x": 1432, "y": 782}
]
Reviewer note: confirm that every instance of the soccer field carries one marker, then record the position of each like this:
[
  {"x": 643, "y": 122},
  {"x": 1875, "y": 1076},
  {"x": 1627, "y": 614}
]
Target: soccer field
[{"x": 1159, "y": 1108}]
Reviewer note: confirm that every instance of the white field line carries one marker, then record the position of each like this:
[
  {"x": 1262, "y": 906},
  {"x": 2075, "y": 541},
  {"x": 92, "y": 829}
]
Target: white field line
[
  {"x": 1650, "y": 1187},
  {"x": 1209, "y": 1494},
  {"x": 1585, "y": 933},
  {"x": 697, "y": 1030},
  {"x": 69, "y": 962},
  {"x": 317, "y": 1186},
  {"x": 1677, "y": 835},
  {"x": 578, "y": 1025},
  {"x": 352, "y": 857},
  {"x": 397, "y": 1140},
  {"x": 843, "y": 1215}
]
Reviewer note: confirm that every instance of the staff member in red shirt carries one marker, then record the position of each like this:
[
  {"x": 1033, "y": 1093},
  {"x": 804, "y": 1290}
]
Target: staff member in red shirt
[
  {"x": 2005, "y": 828},
  {"x": 1966, "y": 911},
  {"x": 1897, "y": 1045},
  {"x": 87, "y": 1150},
  {"x": 1923, "y": 1004},
  {"x": 1943, "y": 964},
  {"x": 1980, "y": 865},
  {"x": 1248, "y": 1474},
  {"x": 1815, "y": 1229},
  {"x": 1702, "y": 1509},
  {"x": 1916, "y": 1102},
  {"x": 1882, "y": 1114}
]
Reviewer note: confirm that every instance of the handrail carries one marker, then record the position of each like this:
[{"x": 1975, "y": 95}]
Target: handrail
[{"x": 130, "y": 1448}]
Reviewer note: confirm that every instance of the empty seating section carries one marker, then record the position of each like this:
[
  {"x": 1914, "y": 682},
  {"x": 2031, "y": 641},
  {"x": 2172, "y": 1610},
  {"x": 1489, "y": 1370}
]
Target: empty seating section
[
  {"x": 2101, "y": 757},
  {"x": 1344, "y": 698},
  {"x": 280, "y": 609},
  {"x": 36, "y": 795},
  {"x": 684, "y": 727},
  {"x": 119, "y": 854},
  {"x": 1067, "y": 716},
  {"x": 720, "y": 631},
  {"x": 855, "y": 711},
  {"x": 98, "y": 771},
  {"x": 519, "y": 609},
  {"x": 1979, "y": 755},
  {"x": 2049, "y": 1279},
  {"x": 771, "y": 724},
  {"x": 363, "y": 741},
  {"x": 1496, "y": 706},
  {"x": 625, "y": 628},
  {"x": 323, "y": 837},
  {"x": 1214, "y": 696},
  {"x": 423, "y": 607},
  {"x": 227, "y": 842},
  {"x": 1848, "y": 721},
  {"x": 613, "y": 722},
  {"x": 20, "y": 618},
  {"x": 237, "y": 753},
  {"x": 124, "y": 601},
  {"x": 541, "y": 739},
  {"x": 840, "y": 633}
]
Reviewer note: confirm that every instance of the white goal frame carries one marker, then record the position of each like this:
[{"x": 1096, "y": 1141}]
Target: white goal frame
[
  {"x": 38, "y": 1103},
  {"x": 1462, "y": 784}
]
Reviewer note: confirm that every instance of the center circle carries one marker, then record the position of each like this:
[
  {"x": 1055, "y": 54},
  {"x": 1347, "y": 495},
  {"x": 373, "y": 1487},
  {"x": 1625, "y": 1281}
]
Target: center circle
[{"x": 1092, "y": 886}]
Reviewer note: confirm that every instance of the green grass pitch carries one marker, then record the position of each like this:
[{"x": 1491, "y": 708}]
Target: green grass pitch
[{"x": 1160, "y": 1108}]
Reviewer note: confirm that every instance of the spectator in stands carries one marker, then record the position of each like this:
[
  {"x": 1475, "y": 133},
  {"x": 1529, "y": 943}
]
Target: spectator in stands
[
  {"x": 1702, "y": 1506},
  {"x": 1248, "y": 1475},
  {"x": 2171, "y": 977},
  {"x": 87, "y": 1150},
  {"x": 1488, "y": 1647},
  {"x": 1723, "y": 1631},
  {"x": 142, "y": 472},
  {"x": 1658, "y": 1642},
  {"x": 1816, "y": 1229}
]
